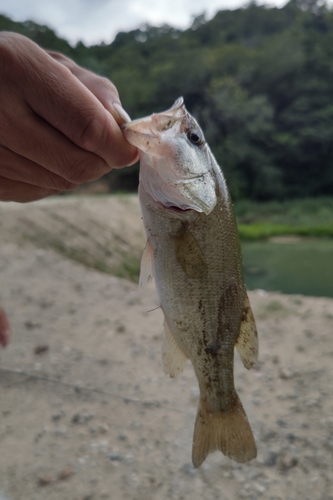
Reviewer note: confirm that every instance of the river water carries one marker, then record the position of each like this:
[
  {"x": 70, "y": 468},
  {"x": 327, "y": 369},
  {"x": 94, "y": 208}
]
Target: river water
[{"x": 290, "y": 265}]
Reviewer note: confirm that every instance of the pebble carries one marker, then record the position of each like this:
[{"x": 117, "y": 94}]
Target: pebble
[
  {"x": 100, "y": 445},
  {"x": 45, "y": 480},
  {"x": 313, "y": 401},
  {"x": 122, "y": 436},
  {"x": 260, "y": 488},
  {"x": 267, "y": 434},
  {"x": 82, "y": 418},
  {"x": 128, "y": 459},
  {"x": 65, "y": 474},
  {"x": 286, "y": 373},
  {"x": 41, "y": 349},
  {"x": 57, "y": 416},
  {"x": 238, "y": 476},
  {"x": 61, "y": 431},
  {"x": 99, "y": 429},
  {"x": 286, "y": 461},
  {"x": 268, "y": 458}
]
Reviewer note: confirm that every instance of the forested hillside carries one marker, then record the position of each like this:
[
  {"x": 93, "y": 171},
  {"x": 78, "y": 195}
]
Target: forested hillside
[{"x": 259, "y": 80}]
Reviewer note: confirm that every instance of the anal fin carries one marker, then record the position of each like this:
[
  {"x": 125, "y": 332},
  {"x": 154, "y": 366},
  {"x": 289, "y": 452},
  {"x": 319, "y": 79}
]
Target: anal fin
[
  {"x": 173, "y": 357},
  {"x": 247, "y": 342}
]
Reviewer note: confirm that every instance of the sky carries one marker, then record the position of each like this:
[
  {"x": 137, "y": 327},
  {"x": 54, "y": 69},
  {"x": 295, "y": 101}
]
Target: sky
[{"x": 96, "y": 21}]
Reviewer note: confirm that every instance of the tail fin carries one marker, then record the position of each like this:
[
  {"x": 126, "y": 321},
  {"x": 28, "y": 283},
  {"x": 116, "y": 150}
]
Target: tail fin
[{"x": 228, "y": 431}]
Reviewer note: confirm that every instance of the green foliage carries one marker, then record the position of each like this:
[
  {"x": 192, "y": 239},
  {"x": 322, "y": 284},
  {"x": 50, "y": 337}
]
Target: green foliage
[
  {"x": 259, "y": 80},
  {"x": 42, "y": 35},
  {"x": 304, "y": 217},
  {"x": 263, "y": 231}
]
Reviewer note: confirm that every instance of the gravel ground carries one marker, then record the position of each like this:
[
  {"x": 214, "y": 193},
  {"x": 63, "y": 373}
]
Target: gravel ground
[{"x": 86, "y": 411}]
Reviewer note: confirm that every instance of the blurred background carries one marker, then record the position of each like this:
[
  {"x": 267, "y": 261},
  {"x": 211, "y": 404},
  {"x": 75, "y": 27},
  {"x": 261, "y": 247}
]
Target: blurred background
[
  {"x": 258, "y": 78},
  {"x": 86, "y": 412}
]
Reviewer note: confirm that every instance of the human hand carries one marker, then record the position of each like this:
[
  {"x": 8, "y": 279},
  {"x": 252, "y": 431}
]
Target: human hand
[
  {"x": 59, "y": 123},
  {"x": 5, "y": 331}
]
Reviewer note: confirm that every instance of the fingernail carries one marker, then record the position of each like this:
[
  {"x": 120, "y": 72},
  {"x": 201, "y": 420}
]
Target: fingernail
[{"x": 121, "y": 112}]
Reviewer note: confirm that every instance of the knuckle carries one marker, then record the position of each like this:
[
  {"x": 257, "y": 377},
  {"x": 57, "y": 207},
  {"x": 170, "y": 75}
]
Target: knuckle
[
  {"x": 92, "y": 133},
  {"x": 13, "y": 51},
  {"x": 68, "y": 186},
  {"x": 110, "y": 86},
  {"x": 60, "y": 184},
  {"x": 82, "y": 171},
  {"x": 7, "y": 54}
]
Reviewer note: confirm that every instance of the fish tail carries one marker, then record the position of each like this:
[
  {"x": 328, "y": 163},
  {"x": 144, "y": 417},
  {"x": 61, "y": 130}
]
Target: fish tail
[{"x": 228, "y": 431}]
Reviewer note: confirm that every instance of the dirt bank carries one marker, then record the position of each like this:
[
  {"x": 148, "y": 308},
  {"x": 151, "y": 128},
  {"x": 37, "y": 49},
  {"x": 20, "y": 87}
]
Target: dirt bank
[{"x": 86, "y": 412}]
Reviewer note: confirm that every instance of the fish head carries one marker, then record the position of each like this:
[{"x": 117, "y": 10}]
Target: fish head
[{"x": 177, "y": 166}]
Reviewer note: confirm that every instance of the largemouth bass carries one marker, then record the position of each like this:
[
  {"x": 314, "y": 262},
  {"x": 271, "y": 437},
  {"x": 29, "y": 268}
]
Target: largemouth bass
[{"x": 193, "y": 253}]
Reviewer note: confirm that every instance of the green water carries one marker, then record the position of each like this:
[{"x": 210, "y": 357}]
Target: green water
[{"x": 305, "y": 267}]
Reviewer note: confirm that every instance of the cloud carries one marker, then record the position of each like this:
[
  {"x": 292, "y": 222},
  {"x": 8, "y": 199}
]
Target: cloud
[{"x": 100, "y": 20}]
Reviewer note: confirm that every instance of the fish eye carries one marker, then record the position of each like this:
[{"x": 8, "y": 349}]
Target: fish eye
[{"x": 195, "y": 137}]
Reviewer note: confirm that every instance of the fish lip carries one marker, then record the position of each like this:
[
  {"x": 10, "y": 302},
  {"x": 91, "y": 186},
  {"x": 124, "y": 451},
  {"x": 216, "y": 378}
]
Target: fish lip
[
  {"x": 179, "y": 103},
  {"x": 178, "y": 210},
  {"x": 134, "y": 123}
]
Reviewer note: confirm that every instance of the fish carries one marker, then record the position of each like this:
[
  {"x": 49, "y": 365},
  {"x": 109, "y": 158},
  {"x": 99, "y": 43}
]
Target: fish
[{"x": 193, "y": 254}]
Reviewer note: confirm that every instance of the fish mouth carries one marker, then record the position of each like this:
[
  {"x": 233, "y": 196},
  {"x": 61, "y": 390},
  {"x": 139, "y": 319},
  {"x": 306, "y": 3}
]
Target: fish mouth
[
  {"x": 151, "y": 126},
  {"x": 137, "y": 130},
  {"x": 178, "y": 210}
]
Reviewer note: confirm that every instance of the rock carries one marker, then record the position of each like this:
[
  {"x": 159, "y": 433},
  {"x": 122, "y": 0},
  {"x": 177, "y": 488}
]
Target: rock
[
  {"x": 267, "y": 434},
  {"x": 61, "y": 431},
  {"x": 82, "y": 418},
  {"x": 313, "y": 401},
  {"x": 45, "y": 480},
  {"x": 238, "y": 476},
  {"x": 128, "y": 459},
  {"x": 260, "y": 488},
  {"x": 30, "y": 325},
  {"x": 57, "y": 416},
  {"x": 41, "y": 349},
  {"x": 122, "y": 436},
  {"x": 286, "y": 461},
  {"x": 286, "y": 373},
  {"x": 65, "y": 474},
  {"x": 268, "y": 458}
]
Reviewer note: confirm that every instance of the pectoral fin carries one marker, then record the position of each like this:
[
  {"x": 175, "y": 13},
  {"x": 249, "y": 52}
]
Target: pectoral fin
[
  {"x": 146, "y": 267},
  {"x": 189, "y": 255},
  {"x": 247, "y": 342},
  {"x": 173, "y": 357}
]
